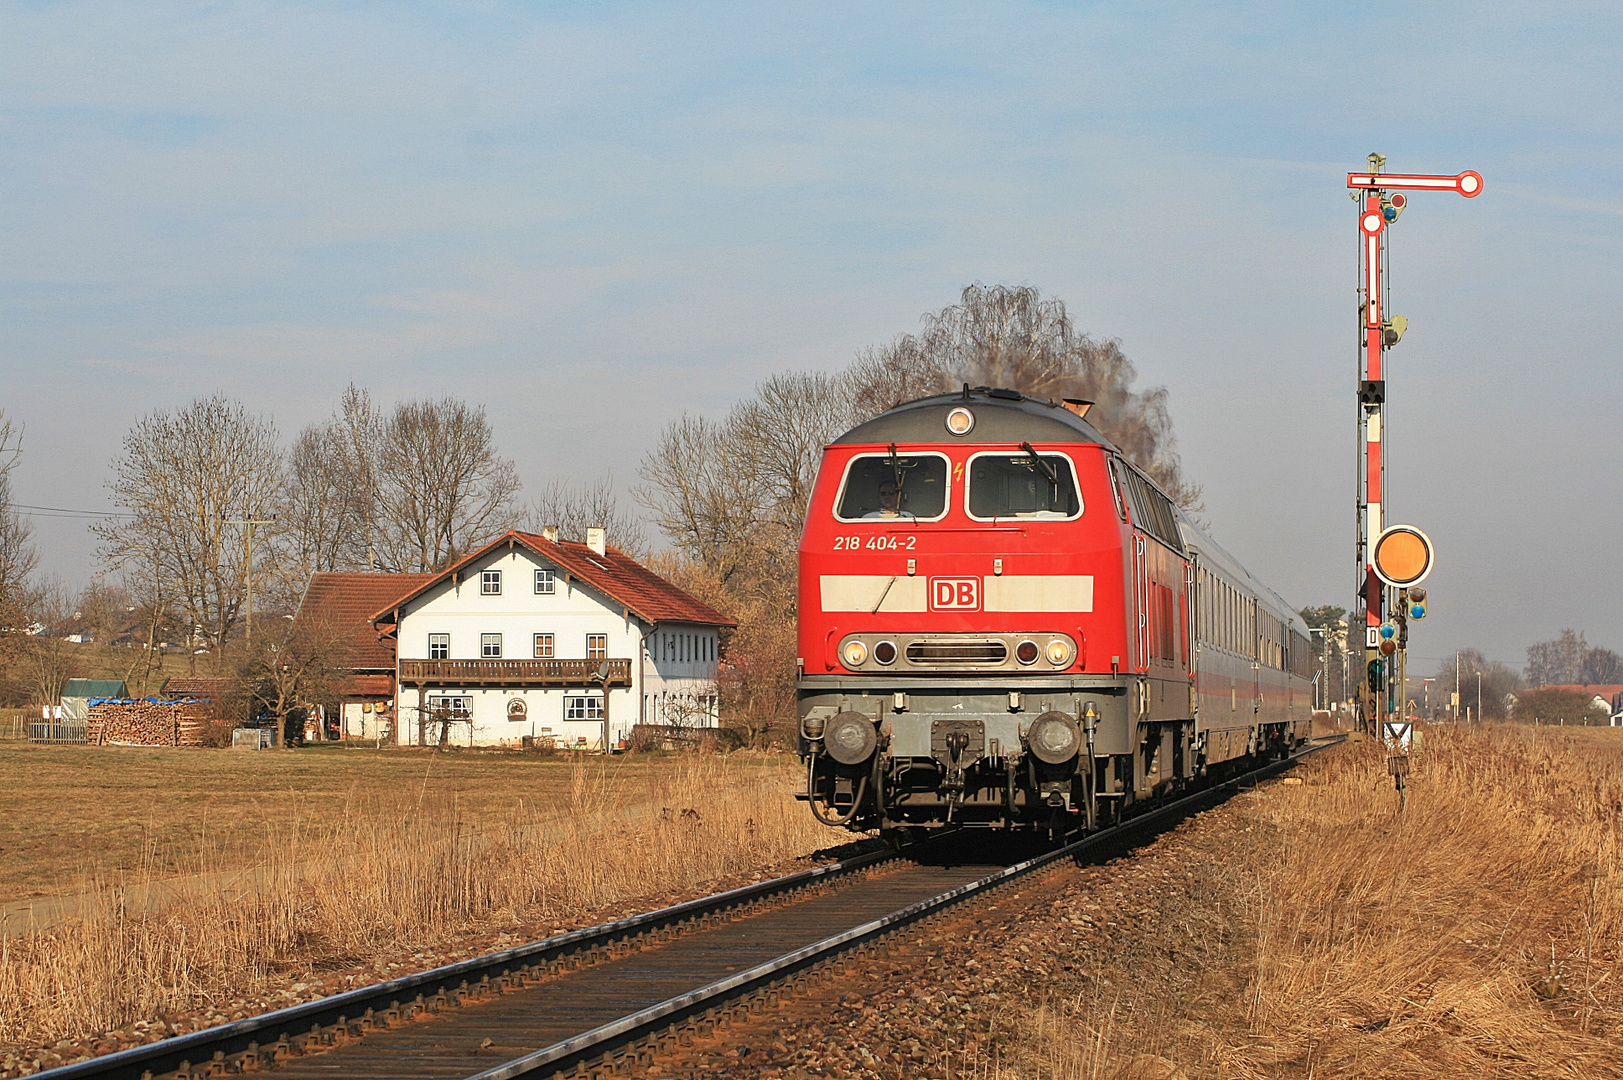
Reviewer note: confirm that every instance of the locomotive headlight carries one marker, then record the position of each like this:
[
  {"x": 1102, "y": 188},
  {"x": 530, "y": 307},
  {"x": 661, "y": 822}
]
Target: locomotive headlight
[
  {"x": 960, "y": 421},
  {"x": 855, "y": 653},
  {"x": 1059, "y": 652},
  {"x": 885, "y": 652},
  {"x": 850, "y": 738},
  {"x": 1026, "y": 652},
  {"x": 1053, "y": 738}
]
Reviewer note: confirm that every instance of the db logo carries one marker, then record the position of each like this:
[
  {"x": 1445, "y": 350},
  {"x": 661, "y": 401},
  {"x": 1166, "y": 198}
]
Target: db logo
[{"x": 955, "y": 594}]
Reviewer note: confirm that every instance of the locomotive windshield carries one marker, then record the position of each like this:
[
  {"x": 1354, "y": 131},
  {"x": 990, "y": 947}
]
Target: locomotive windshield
[
  {"x": 1025, "y": 485},
  {"x": 879, "y": 486}
]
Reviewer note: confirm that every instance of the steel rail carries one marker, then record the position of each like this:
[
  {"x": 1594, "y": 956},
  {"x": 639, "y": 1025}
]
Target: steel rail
[
  {"x": 650, "y": 1023},
  {"x": 259, "y": 1035}
]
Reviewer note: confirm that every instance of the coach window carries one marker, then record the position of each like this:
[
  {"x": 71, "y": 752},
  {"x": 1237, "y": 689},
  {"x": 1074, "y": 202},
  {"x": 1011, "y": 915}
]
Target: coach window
[
  {"x": 1028, "y": 486},
  {"x": 907, "y": 487}
]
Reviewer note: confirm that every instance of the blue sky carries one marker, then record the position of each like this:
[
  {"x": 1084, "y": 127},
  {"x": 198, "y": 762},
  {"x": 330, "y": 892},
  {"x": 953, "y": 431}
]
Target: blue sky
[{"x": 592, "y": 217}]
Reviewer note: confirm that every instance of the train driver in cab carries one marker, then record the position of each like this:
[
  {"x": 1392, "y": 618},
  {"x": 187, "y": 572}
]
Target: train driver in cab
[{"x": 890, "y": 502}]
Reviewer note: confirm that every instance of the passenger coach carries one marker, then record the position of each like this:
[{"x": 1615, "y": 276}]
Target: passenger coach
[{"x": 1003, "y": 622}]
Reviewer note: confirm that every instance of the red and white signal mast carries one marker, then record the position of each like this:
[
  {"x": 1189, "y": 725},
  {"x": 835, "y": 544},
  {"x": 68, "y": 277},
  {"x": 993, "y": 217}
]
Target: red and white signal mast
[{"x": 1395, "y": 559}]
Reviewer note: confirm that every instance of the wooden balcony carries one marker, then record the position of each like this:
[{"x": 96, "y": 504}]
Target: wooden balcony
[{"x": 565, "y": 673}]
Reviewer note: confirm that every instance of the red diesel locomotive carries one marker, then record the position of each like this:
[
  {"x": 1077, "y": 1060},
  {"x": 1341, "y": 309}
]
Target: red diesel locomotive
[{"x": 1004, "y": 623}]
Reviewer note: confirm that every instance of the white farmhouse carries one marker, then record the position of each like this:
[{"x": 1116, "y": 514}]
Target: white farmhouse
[{"x": 533, "y": 636}]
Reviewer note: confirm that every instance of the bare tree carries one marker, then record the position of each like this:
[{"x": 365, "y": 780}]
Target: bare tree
[
  {"x": 330, "y": 504},
  {"x": 18, "y": 556},
  {"x": 441, "y": 485},
  {"x": 575, "y": 509},
  {"x": 186, "y": 476},
  {"x": 1010, "y": 336},
  {"x": 303, "y": 666},
  {"x": 703, "y": 494},
  {"x": 1469, "y": 669},
  {"x": 1560, "y": 661},
  {"x": 50, "y": 659}
]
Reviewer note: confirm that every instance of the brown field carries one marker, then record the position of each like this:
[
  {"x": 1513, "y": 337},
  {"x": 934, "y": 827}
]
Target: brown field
[
  {"x": 363, "y": 861},
  {"x": 1323, "y": 933},
  {"x": 69, "y": 814}
]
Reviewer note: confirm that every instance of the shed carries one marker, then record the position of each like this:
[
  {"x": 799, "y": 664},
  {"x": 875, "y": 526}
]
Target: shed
[{"x": 77, "y": 693}]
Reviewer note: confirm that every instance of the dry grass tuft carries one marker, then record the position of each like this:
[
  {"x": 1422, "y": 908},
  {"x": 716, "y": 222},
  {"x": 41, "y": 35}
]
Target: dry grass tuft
[{"x": 407, "y": 872}]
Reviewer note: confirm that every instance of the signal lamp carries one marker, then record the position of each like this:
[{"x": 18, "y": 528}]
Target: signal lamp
[
  {"x": 855, "y": 653},
  {"x": 1388, "y": 646},
  {"x": 1026, "y": 652},
  {"x": 1388, "y": 631},
  {"x": 1417, "y": 595},
  {"x": 1059, "y": 653},
  {"x": 1417, "y": 611},
  {"x": 1393, "y": 329},
  {"x": 885, "y": 652},
  {"x": 1374, "y": 674}
]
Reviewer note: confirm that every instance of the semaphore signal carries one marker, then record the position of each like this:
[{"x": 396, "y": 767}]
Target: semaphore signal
[{"x": 1390, "y": 560}]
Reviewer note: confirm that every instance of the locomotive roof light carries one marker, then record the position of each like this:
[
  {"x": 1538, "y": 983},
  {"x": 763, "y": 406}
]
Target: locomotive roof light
[
  {"x": 960, "y": 421},
  {"x": 850, "y": 738},
  {"x": 1059, "y": 652},
  {"x": 855, "y": 654},
  {"x": 1053, "y": 738},
  {"x": 1027, "y": 652}
]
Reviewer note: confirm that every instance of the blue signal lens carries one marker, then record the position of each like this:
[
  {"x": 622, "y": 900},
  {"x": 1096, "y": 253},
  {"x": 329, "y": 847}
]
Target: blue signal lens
[
  {"x": 1388, "y": 630},
  {"x": 1418, "y": 611},
  {"x": 1390, "y": 213}
]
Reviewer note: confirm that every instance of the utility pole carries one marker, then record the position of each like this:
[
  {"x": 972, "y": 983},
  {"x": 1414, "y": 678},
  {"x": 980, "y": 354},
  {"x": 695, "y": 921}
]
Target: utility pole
[
  {"x": 248, "y": 565},
  {"x": 1382, "y": 200}
]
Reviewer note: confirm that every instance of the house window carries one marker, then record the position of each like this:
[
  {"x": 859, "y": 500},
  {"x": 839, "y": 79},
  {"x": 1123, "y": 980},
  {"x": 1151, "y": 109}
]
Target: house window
[
  {"x": 439, "y": 646},
  {"x": 490, "y": 583},
  {"x": 543, "y": 647},
  {"x": 441, "y": 707},
  {"x": 583, "y": 708},
  {"x": 597, "y": 646},
  {"x": 490, "y": 646},
  {"x": 546, "y": 582}
]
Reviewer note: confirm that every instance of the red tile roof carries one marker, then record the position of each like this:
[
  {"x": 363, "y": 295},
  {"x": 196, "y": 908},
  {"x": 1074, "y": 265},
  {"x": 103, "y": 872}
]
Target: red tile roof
[
  {"x": 350, "y": 599},
  {"x": 1603, "y": 690},
  {"x": 614, "y": 573}
]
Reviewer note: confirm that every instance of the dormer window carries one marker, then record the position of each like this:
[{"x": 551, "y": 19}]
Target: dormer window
[
  {"x": 546, "y": 581},
  {"x": 490, "y": 583}
]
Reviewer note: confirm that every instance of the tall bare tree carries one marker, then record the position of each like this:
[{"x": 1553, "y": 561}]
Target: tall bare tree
[
  {"x": 330, "y": 504},
  {"x": 185, "y": 476},
  {"x": 575, "y": 508},
  {"x": 442, "y": 487},
  {"x": 1011, "y": 336},
  {"x": 18, "y": 556}
]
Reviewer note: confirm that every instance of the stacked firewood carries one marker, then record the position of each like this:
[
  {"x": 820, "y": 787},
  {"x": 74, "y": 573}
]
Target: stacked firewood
[{"x": 150, "y": 723}]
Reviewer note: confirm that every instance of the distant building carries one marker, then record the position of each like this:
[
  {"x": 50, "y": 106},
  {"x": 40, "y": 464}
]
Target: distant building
[
  {"x": 533, "y": 636},
  {"x": 1603, "y": 696}
]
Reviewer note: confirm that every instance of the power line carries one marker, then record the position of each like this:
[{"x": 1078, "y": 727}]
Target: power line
[{"x": 61, "y": 511}]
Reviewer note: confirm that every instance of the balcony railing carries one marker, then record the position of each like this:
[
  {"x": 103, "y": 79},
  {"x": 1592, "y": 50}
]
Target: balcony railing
[{"x": 513, "y": 672}]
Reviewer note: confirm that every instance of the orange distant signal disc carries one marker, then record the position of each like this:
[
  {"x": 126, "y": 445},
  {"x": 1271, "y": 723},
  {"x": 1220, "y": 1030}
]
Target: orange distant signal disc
[{"x": 1403, "y": 556}]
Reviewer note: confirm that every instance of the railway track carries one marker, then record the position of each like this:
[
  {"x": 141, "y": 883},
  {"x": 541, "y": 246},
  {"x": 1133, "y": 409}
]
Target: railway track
[{"x": 600, "y": 1000}]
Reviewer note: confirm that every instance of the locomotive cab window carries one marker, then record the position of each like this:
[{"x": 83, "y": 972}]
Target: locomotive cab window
[
  {"x": 1023, "y": 484},
  {"x": 879, "y": 487}
]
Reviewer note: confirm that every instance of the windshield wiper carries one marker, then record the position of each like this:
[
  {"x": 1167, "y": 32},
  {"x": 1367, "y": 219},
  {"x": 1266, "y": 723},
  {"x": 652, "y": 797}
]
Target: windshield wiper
[{"x": 1044, "y": 467}]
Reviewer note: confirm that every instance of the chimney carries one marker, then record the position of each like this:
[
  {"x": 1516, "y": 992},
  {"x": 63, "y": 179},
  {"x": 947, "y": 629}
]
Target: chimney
[
  {"x": 595, "y": 539},
  {"x": 550, "y": 532}
]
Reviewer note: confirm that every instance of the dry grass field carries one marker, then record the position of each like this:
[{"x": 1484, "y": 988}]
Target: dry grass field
[
  {"x": 365, "y": 861},
  {"x": 1476, "y": 934}
]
